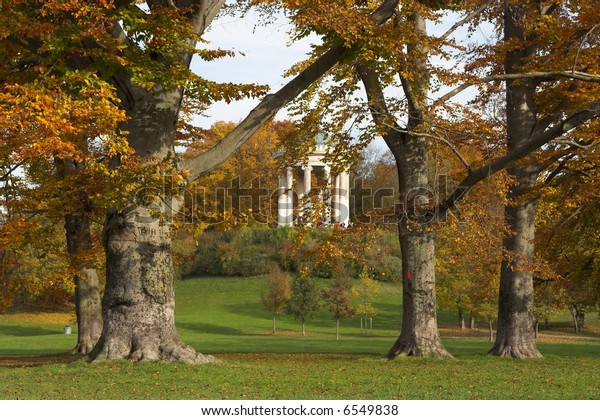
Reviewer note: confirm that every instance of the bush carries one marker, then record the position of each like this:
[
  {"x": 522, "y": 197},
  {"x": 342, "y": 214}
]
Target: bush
[{"x": 253, "y": 250}]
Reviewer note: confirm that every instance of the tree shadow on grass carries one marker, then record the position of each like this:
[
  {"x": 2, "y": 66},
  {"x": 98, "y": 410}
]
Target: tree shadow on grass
[
  {"x": 210, "y": 328},
  {"x": 21, "y": 331},
  {"x": 18, "y": 360}
]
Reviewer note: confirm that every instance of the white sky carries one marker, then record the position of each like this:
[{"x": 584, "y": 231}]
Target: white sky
[
  {"x": 262, "y": 56},
  {"x": 266, "y": 56}
]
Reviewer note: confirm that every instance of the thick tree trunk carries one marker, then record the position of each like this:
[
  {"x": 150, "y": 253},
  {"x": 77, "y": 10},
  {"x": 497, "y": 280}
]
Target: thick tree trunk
[
  {"x": 87, "y": 295},
  {"x": 138, "y": 304},
  {"x": 515, "y": 336},
  {"x": 516, "y": 333},
  {"x": 88, "y": 310},
  {"x": 419, "y": 335}
]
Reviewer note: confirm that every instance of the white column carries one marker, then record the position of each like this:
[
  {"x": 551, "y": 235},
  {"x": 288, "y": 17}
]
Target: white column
[
  {"x": 305, "y": 190},
  {"x": 336, "y": 198},
  {"x": 344, "y": 205},
  {"x": 285, "y": 203},
  {"x": 290, "y": 195},
  {"x": 307, "y": 179},
  {"x": 328, "y": 195}
]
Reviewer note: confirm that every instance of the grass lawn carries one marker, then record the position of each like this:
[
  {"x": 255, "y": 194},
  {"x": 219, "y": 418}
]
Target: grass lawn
[{"x": 222, "y": 316}]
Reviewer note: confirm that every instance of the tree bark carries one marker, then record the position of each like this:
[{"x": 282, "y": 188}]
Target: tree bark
[
  {"x": 337, "y": 330},
  {"x": 461, "y": 319},
  {"x": 303, "y": 328},
  {"x": 471, "y": 322},
  {"x": 274, "y": 329},
  {"x": 419, "y": 335},
  {"x": 139, "y": 303},
  {"x": 491, "y": 327},
  {"x": 516, "y": 336},
  {"x": 87, "y": 295}
]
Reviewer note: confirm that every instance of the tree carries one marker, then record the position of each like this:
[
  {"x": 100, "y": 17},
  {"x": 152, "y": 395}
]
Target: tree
[
  {"x": 305, "y": 300},
  {"x": 337, "y": 299},
  {"x": 525, "y": 69},
  {"x": 366, "y": 292},
  {"x": 144, "y": 54},
  {"x": 56, "y": 133},
  {"x": 535, "y": 109},
  {"x": 277, "y": 294}
]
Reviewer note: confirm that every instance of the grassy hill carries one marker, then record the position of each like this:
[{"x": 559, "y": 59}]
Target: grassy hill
[{"x": 223, "y": 316}]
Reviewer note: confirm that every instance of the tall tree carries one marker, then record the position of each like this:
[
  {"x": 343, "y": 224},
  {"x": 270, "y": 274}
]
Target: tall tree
[
  {"x": 537, "y": 39},
  {"x": 144, "y": 52},
  {"x": 426, "y": 122}
]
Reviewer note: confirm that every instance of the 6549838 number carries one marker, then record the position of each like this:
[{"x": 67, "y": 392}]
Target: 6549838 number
[{"x": 378, "y": 410}]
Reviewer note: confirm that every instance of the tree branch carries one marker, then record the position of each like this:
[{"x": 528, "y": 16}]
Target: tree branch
[
  {"x": 548, "y": 75},
  {"x": 270, "y": 104},
  {"x": 534, "y": 143},
  {"x": 474, "y": 13}
]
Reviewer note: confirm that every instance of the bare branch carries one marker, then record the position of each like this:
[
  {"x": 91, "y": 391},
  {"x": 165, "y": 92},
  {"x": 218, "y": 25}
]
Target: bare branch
[
  {"x": 534, "y": 143},
  {"x": 588, "y": 33},
  {"x": 574, "y": 144},
  {"x": 549, "y": 75},
  {"x": 474, "y": 13}
]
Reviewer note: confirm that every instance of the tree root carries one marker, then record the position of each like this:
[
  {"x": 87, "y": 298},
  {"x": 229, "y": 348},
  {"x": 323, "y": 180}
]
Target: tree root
[
  {"x": 515, "y": 352},
  {"x": 411, "y": 348},
  {"x": 148, "y": 350}
]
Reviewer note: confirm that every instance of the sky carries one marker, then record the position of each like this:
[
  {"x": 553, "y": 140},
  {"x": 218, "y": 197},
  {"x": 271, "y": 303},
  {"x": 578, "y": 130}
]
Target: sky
[{"x": 262, "y": 56}]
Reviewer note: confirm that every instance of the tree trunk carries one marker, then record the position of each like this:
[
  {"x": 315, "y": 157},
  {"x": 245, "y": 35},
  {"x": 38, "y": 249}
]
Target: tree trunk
[
  {"x": 89, "y": 311},
  {"x": 537, "y": 328},
  {"x": 516, "y": 336},
  {"x": 138, "y": 304},
  {"x": 461, "y": 319},
  {"x": 580, "y": 318},
  {"x": 574, "y": 315},
  {"x": 419, "y": 335},
  {"x": 515, "y": 332},
  {"x": 491, "y": 328},
  {"x": 471, "y": 322},
  {"x": 274, "y": 329},
  {"x": 303, "y": 329},
  {"x": 337, "y": 330},
  {"x": 87, "y": 296}
]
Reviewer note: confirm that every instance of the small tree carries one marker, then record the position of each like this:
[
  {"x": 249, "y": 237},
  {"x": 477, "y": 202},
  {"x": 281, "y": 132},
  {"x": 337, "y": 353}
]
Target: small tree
[
  {"x": 277, "y": 293},
  {"x": 338, "y": 300},
  {"x": 305, "y": 300},
  {"x": 365, "y": 292}
]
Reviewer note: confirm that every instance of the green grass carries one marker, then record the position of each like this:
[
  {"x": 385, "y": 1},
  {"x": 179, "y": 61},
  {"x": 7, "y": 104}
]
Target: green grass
[{"x": 222, "y": 316}]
